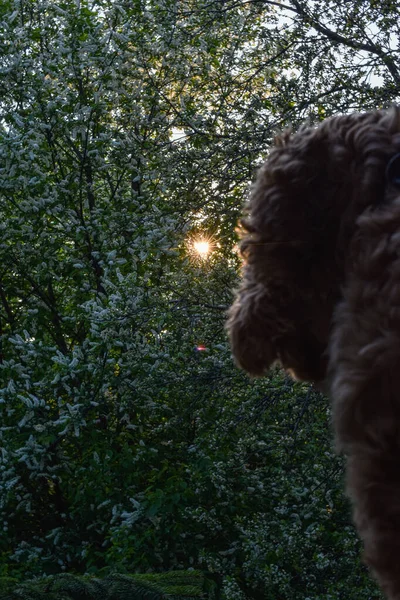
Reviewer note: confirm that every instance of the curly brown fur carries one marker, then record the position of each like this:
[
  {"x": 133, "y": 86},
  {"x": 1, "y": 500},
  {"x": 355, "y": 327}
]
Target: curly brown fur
[{"x": 321, "y": 295}]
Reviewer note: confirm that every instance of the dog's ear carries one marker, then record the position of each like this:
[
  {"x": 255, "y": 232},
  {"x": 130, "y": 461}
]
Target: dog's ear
[
  {"x": 253, "y": 326},
  {"x": 264, "y": 327},
  {"x": 365, "y": 342}
]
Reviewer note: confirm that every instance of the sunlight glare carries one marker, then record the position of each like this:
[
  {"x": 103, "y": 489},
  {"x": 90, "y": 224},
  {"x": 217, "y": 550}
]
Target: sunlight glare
[{"x": 202, "y": 247}]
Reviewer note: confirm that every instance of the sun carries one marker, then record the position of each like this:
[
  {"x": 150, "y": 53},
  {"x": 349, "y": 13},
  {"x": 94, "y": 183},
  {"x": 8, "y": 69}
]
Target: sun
[
  {"x": 199, "y": 247},
  {"x": 202, "y": 247}
]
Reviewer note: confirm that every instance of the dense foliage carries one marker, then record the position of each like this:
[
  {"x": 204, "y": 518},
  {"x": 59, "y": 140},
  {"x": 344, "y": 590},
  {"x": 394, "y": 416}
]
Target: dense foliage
[
  {"x": 129, "y": 441},
  {"x": 163, "y": 586}
]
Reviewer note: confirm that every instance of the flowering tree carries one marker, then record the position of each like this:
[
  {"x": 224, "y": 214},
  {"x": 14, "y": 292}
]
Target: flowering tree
[{"x": 129, "y": 130}]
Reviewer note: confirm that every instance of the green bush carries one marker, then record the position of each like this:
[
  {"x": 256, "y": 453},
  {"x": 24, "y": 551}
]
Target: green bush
[{"x": 172, "y": 585}]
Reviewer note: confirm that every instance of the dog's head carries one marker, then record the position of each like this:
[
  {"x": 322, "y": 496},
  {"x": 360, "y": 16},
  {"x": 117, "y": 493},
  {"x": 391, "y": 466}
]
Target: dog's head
[{"x": 299, "y": 229}]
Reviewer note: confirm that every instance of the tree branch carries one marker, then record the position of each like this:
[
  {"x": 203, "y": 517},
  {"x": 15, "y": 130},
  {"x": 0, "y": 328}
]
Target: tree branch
[{"x": 341, "y": 39}]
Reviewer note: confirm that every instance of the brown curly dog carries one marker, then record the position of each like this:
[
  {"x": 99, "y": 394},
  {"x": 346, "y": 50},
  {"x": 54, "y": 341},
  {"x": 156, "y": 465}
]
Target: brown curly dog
[{"x": 321, "y": 295}]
